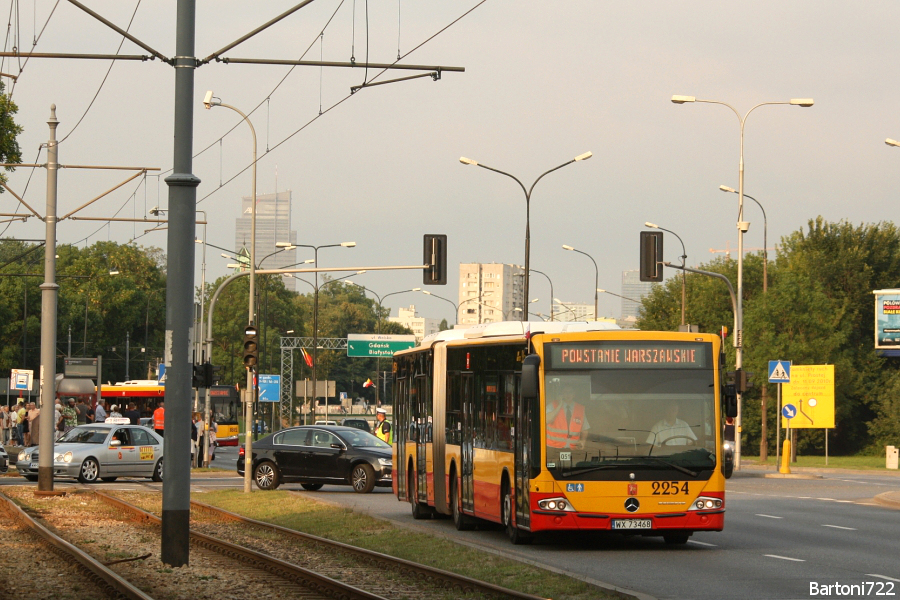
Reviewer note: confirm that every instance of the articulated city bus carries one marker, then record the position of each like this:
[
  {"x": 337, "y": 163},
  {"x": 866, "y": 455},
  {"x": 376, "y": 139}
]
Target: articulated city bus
[{"x": 564, "y": 426}]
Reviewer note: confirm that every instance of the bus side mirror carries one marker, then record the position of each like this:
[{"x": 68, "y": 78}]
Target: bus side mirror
[
  {"x": 530, "y": 376},
  {"x": 729, "y": 400}
]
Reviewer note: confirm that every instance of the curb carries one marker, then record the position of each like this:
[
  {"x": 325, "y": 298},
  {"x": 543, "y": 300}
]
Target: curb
[{"x": 889, "y": 499}]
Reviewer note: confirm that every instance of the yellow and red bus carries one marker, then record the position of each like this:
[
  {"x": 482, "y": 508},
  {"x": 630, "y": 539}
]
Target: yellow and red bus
[{"x": 480, "y": 431}]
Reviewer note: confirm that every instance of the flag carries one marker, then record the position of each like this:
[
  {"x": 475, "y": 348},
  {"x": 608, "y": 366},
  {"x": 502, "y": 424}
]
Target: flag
[
  {"x": 306, "y": 357},
  {"x": 368, "y": 383}
]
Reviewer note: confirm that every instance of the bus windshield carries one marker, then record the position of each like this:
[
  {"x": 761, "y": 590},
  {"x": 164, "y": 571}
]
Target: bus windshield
[{"x": 607, "y": 416}]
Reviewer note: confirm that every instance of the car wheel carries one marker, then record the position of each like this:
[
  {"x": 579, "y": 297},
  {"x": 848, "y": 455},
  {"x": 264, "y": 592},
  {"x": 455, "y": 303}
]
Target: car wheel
[
  {"x": 311, "y": 487},
  {"x": 30, "y": 477},
  {"x": 266, "y": 476},
  {"x": 460, "y": 521},
  {"x": 108, "y": 479},
  {"x": 89, "y": 471},
  {"x": 158, "y": 471},
  {"x": 516, "y": 535},
  {"x": 362, "y": 478}
]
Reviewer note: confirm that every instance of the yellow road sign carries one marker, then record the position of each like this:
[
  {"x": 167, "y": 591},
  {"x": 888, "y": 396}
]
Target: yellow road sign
[{"x": 811, "y": 390}]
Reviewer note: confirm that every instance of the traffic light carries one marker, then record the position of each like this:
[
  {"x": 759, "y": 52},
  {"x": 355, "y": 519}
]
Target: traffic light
[
  {"x": 208, "y": 375},
  {"x": 197, "y": 377},
  {"x": 435, "y": 256},
  {"x": 251, "y": 347},
  {"x": 651, "y": 256}
]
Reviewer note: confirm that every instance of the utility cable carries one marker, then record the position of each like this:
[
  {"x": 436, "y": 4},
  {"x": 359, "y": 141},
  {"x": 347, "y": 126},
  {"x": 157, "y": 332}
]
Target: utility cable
[{"x": 37, "y": 39}]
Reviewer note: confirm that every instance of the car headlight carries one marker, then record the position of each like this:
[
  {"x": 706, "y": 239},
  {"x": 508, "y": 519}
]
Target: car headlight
[
  {"x": 23, "y": 455},
  {"x": 67, "y": 457},
  {"x": 385, "y": 462}
]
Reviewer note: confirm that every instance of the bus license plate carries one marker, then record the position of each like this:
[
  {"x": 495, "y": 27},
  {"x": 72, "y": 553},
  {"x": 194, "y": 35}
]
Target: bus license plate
[{"x": 631, "y": 524}]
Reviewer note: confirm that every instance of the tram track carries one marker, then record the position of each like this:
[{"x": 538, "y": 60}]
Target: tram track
[{"x": 390, "y": 577}]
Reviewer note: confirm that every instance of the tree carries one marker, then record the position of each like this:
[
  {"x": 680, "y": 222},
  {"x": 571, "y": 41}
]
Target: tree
[{"x": 9, "y": 145}]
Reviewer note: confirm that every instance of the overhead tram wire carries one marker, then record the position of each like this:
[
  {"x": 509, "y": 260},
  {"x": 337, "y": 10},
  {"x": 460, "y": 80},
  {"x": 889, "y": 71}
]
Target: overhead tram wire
[
  {"x": 30, "y": 175},
  {"x": 341, "y": 101},
  {"x": 36, "y": 40}
]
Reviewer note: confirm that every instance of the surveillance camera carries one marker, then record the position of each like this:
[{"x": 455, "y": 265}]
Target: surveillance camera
[{"x": 207, "y": 99}]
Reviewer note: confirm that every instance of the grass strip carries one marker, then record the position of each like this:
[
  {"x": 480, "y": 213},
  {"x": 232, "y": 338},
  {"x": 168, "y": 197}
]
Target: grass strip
[{"x": 345, "y": 525}]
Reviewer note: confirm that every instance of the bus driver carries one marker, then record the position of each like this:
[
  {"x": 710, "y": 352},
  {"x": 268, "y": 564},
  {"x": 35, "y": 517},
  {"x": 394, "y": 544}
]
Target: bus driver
[{"x": 670, "y": 430}]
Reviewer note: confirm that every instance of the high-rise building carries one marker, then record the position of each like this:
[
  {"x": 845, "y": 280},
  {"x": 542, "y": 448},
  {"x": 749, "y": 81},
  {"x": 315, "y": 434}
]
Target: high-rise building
[
  {"x": 634, "y": 288},
  {"x": 273, "y": 224},
  {"x": 489, "y": 292},
  {"x": 420, "y": 326},
  {"x": 573, "y": 311}
]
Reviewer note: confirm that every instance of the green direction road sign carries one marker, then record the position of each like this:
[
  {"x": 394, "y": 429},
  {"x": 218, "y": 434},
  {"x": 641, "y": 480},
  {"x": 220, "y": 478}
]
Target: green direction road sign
[{"x": 363, "y": 345}]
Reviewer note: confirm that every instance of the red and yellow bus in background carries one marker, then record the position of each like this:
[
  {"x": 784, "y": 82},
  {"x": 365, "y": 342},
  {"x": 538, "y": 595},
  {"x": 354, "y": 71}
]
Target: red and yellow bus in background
[{"x": 564, "y": 426}]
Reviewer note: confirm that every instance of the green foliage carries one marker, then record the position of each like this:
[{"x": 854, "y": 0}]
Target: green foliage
[
  {"x": 9, "y": 146},
  {"x": 818, "y": 309}
]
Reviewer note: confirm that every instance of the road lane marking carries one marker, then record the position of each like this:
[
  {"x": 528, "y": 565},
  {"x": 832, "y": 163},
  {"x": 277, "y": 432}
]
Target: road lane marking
[
  {"x": 805, "y": 497},
  {"x": 785, "y": 557},
  {"x": 868, "y": 504},
  {"x": 839, "y": 527},
  {"x": 701, "y": 543},
  {"x": 881, "y": 576},
  {"x": 828, "y": 499},
  {"x": 844, "y": 501},
  {"x": 770, "y": 516}
]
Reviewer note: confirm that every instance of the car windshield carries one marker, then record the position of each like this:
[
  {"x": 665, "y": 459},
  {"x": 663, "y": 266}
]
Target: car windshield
[
  {"x": 363, "y": 439},
  {"x": 85, "y": 435}
]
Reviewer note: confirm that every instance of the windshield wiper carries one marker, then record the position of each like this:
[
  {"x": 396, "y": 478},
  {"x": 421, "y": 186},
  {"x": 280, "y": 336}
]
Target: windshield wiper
[
  {"x": 684, "y": 470},
  {"x": 588, "y": 470}
]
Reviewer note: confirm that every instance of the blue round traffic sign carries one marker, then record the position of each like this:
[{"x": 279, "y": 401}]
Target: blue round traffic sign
[{"x": 789, "y": 411}]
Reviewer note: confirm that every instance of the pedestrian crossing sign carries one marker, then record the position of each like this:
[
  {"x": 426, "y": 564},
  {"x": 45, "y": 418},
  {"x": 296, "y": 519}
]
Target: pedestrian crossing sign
[{"x": 779, "y": 371}]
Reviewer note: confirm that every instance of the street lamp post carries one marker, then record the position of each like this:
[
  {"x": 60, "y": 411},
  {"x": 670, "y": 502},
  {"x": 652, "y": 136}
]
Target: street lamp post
[
  {"x": 763, "y": 442},
  {"x": 602, "y": 291},
  {"x": 469, "y": 161},
  {"x": 683, "y": 264},
  {"x": 596, "y": 276},
  {"x": 742, "y": 227},
  {"x": 563, "y": 305},
  {"x": 208, "y": 102},
  {"x": 455, "y": 305}
]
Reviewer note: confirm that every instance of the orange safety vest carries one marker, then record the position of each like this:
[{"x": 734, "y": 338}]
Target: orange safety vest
[
  {"x": 561, "y": 434},
  {"x": 159, "y": 418}
]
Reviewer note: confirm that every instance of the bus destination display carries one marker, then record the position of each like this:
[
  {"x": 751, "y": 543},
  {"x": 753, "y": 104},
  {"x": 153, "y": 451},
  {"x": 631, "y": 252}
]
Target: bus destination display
[{"x": 618, "y": 355}]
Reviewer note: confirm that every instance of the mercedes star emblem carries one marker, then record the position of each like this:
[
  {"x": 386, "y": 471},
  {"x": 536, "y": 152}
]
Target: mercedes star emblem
[{"x": 632, "y": 504}]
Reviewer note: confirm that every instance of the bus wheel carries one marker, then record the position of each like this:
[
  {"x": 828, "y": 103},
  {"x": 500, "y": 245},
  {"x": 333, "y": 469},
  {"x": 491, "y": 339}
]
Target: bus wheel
[
  {"x": 461, "y": 521},
  {"x": 516, "y": 535},
  {"x": 419, "y": 510},
  {"x": 676, "y": 538}
]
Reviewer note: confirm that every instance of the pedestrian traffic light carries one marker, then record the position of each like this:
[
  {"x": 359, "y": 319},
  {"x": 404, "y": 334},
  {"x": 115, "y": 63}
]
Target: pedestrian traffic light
[
  {"x": 209, "y": 374},
  {"x": 651, "y": 256},
  {"x": 197, "y": 377},
  {"x": 251, "y": 347},
  {"x": 435, "y": 259}
]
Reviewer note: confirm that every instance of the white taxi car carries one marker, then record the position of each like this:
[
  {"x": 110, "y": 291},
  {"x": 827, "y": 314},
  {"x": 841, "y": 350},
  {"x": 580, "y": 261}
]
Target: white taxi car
[{"x": 103, "y": 451}]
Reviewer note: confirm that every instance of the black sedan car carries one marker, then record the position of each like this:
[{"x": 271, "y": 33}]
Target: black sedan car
[{"x": 314, "y": 455}]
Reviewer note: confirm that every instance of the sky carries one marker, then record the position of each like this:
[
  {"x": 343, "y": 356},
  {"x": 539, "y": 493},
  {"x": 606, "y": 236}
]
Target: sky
[{"x": 543, "y": 83}]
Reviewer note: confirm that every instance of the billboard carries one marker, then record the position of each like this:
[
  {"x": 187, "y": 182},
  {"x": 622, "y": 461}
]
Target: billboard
[{"x": 887, "y": 321}]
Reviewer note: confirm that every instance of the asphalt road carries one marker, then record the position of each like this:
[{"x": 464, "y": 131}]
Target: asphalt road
[{"x": 781, "y": 536}]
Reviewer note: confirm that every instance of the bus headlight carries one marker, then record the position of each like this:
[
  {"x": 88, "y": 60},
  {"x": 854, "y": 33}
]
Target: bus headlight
[
  {"x": 706, "y": 503},
  {"x": 556, "y": 504}
]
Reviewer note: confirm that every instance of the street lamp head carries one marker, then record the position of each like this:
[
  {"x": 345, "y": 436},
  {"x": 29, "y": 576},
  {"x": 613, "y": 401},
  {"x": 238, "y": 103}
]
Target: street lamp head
[
  {"x": 113, "y": 271},
  {"x": 156, "y": 210},
  {"x": 683, "y": 99},
  {"x": 891, "y": 142},
  {"x": 416, "y": 290},
  {"x": 360, "y": 272},
  {"x": 286, "y": 245},
  {"x": 567, "y": 247},
  {"x": 557, "y": 300},
  {"x": 584, "y": 156},
  {"x": 725, "y": 188},
  {"x": 348, "y": 244},
  {"x": 601, "y": 290},
  {"x": 651, "y": 225},
  {"x": 223, "y": 255},
  {"x": 209, "y": 100},
  {"x": 805, "y": 102},
  {"x": 289, "y": 331},
  {"x": 467, "y": 161},
  {"x": 426, "y": 292}
]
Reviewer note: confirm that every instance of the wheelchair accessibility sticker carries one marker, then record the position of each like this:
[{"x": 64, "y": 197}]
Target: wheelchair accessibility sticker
[{"x": 574, "y": 487}]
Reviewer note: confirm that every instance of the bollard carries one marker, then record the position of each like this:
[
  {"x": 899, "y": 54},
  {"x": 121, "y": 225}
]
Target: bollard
[{"x": 786, "y": 457}]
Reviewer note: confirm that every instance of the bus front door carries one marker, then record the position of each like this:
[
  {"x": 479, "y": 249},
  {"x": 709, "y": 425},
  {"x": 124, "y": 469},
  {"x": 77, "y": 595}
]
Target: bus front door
[
  {"x": 467, "y": 445},
  {"x": 524, "y": 439}
]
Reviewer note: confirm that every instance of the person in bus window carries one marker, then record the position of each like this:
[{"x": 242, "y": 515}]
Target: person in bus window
[
  {"x": 670, "y": 430},
  {"x": 567, "y": 425}
]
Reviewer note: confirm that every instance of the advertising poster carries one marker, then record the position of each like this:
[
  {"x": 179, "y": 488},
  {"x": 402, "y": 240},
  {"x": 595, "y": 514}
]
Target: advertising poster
[{"x": 887, "y": 320}]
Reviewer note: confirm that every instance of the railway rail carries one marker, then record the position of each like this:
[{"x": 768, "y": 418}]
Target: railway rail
[{"x": 393, "y": 577}]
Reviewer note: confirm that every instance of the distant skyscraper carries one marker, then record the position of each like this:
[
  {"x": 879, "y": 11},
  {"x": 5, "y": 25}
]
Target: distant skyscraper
[
  {"x": 489, "y": 293},
  {"x": 273, "y": 224},
  {"x": 633, "y": 287}
]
